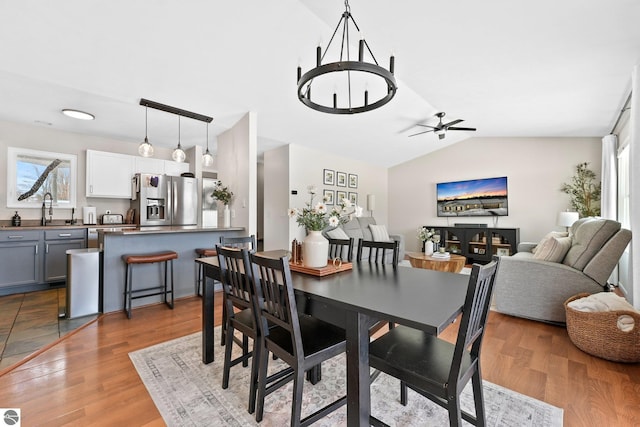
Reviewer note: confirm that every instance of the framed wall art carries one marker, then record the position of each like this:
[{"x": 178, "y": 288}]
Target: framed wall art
[
  {"x": 328, "y": 177},
  {"x": 340, "y": 195},
  {"x": 341, "y": 179},
  {"x": 353, "y": 198},
  {"x": 328, "y": 197},
  {"x": 353, "y": 180}
]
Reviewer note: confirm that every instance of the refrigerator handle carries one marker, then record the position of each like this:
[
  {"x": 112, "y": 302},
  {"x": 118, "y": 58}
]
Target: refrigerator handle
[{"x": 170, "y": 201}]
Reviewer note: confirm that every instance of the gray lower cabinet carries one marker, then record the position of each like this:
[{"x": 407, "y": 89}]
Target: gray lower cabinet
[
  {"x": 30, "y": 259},
  {"x": 20, "y": 257},
  {"x": 56, "y": 244}
]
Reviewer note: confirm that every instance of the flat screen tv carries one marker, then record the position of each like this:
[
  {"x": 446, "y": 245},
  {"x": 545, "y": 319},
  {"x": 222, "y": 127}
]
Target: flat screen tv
[{"x": 474, "y": 197}]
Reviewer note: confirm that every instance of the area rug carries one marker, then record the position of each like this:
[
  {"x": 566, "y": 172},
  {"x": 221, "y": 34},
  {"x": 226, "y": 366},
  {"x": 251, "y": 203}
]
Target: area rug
[{"x": 189, "y": 393}]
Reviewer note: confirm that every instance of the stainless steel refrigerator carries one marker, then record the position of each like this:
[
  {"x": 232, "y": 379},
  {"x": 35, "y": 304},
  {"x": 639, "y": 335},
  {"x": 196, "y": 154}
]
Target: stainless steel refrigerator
[{"x": 165, "y": 200}]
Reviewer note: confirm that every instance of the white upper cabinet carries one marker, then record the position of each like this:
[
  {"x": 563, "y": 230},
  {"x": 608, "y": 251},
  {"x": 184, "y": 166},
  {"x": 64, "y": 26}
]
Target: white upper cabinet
[
  {"x": 109, "y": 174},
  {"x": 149, "y": 165},
  {"x": 174, "y": 168}
]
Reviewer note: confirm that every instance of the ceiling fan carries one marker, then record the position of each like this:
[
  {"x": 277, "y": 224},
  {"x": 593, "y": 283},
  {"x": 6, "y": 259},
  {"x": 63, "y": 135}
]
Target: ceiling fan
[{"x": 441, "y": 128}]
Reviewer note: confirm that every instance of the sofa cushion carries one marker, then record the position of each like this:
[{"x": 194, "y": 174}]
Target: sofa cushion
[
  {"x": 379, "y": 233},
  {"x": 553, "y": 249},
  {"x": 365, "y": 222},
  {"x": 352, "y": 228},
  {"x": 589, "y": 236},
  {"x": 338, "y": 233}
]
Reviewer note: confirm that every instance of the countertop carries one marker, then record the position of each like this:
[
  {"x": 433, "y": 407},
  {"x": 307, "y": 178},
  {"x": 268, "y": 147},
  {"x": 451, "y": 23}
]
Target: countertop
[
  {"x": 59, "y": 226},
  {"x": 167, "y": 229}
]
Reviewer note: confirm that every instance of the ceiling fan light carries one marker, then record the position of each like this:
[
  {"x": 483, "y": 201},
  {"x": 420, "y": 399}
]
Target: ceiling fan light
[{"x": 440, "y": 131}]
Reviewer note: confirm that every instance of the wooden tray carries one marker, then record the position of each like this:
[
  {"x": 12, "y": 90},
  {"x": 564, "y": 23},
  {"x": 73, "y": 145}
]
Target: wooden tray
[{"x": 322, "y": 271}]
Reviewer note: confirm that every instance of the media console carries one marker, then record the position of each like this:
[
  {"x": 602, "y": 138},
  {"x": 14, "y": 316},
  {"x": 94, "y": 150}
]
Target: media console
[{"x": 478, "y": 244}]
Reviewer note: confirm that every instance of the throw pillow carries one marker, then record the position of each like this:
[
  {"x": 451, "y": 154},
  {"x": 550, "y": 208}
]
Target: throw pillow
[
  {"x": 338, "y": 233},
  {"x": 547, "y": 237},
  {"x": 553, "y": 249},
  {"x": 379, "y": 233}
]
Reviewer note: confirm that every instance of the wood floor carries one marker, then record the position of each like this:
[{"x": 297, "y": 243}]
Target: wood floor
[{"x": 88, "y": 379}]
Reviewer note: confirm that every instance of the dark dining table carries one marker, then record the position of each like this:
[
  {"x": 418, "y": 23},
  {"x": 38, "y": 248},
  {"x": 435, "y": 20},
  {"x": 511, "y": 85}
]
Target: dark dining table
[{"x": 354, "y": 300}]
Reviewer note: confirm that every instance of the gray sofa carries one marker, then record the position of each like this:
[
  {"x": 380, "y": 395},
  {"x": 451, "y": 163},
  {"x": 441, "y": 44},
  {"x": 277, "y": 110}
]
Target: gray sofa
[
  {"x": 358, "y": 228},
  {"x": 537, "y": 289}
]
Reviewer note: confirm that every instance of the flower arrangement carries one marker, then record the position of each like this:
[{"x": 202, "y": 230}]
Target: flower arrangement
[
  {"x": 222, "y": 193},
  {"x": 424, "y": 234},
  {"x": 318, "y": 217}
]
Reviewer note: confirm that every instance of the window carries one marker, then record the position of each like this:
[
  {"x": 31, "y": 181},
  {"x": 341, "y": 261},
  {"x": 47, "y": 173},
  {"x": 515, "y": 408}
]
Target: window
[
  {"x": 33, "y": 173},
  {"x": 623, "y": 187}
]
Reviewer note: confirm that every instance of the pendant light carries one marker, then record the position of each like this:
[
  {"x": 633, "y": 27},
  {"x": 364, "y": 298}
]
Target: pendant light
[
  {"x": 207, "y": 158},
  {"x": 145, "y": 149},
  {"x": 178, "y": 154}
]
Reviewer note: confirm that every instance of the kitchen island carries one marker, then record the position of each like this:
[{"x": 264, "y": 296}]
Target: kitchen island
[{"x": 183, "y": 240}]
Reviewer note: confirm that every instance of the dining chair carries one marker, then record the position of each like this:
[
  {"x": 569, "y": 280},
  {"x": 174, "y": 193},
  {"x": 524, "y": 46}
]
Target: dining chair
[
  {"x": 300, "y": 341},
  {"x": 246, "y": 242},
  {"x": 377, "y": 251},
  {"x": 238, "y": 291},
  {"x": 341, "y": 249},
  {"x": 437, "y": 369}
]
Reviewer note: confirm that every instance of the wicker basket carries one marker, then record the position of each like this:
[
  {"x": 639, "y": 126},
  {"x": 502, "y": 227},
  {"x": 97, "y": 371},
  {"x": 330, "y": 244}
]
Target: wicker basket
[{"x": 597, "y": 333}]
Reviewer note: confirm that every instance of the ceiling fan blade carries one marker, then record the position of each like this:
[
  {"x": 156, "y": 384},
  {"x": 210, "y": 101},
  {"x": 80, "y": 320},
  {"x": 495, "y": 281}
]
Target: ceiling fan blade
[
  {"x": 457, "y": 128},
  {"x": 453, "y": 122},
  {"x": 441, "y": 136},
  {"x": 426, "y": 126},
  {"x": 420, "y": 133}
]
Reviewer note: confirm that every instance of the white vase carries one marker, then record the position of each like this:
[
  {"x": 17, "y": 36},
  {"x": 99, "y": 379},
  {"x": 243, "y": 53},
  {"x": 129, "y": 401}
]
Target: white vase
[
  {"x": 428, "y": 248},
  {"x": 315, "y": 250},
  {"x": 227, "y": 217}
]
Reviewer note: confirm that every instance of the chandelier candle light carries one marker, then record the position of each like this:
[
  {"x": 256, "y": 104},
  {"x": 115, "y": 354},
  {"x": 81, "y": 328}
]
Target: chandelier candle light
[
  {"x": 357, "y": 72},
  {"x": 315, "y": 218}
]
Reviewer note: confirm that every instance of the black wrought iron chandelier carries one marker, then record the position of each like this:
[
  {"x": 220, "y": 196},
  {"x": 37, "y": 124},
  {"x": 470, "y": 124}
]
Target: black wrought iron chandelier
[{"x": 384, "y": 84}]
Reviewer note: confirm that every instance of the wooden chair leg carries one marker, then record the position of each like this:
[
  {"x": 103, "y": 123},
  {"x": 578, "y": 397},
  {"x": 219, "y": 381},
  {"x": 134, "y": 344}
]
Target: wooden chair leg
[
  {"x": 255, "y": 365},
  {"x": 227, "y": 358},
  {"x": 455, "y": 416},
  {"x": 262, "y": 383},
  {"x": 296, "y": 404},
  {"x": 403, "y": 393},
  {"x": 478, "y": 397},
  {"x": 245, "y": 350}
]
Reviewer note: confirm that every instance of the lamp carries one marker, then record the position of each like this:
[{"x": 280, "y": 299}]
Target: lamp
[
  {"x": 207, "y": 158},
  {"x": 360, "y": 69},
  {"x": 77, "y": 114},
  {"x": 566, "y": 219},
  {"x": 145, "y": 149},
  {"x": 371, "y": 203},
  {"x": 178, "y": 154}
]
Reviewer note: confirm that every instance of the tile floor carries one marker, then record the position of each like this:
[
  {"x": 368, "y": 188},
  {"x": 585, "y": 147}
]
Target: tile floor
[{"x": 30, "y": 321}]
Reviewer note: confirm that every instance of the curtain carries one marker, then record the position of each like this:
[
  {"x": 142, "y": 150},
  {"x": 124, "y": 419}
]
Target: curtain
[
  {"x": 609, "y": 178},
  {"x": 634, "y": 184}
]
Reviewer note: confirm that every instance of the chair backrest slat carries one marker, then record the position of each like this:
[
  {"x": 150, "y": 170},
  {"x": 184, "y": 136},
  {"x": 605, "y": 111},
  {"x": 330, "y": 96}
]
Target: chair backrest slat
[
  {"x": 236, "y": 284},
  {"x": 341, "y": 248},
  {"x": 275, "y": 298},
  {"x": 474, "y": 316},
  {"x": 378, "y": 251}
]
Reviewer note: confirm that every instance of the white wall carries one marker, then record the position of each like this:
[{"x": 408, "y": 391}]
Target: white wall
[
  {"x": 237, "y": 169},
  {"x": 276, "y": 198},
  {"x": 295, "y": 167},
  {"x": 535, "y": 168},
  {"x": 48, "y": 139}
]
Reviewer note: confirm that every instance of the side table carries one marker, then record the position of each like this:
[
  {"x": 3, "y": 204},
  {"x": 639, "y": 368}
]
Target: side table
[{"x": 453, "y": 264}]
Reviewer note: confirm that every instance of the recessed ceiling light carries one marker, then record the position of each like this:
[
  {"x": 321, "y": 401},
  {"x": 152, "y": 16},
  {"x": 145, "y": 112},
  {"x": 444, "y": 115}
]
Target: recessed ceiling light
[{"x": 76, "y": 114}]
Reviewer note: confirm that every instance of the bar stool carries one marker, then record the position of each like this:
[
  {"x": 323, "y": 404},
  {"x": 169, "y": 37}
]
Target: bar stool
[
  {"x": 202, "y": 252},
  {"x": 165, "y": 257}
]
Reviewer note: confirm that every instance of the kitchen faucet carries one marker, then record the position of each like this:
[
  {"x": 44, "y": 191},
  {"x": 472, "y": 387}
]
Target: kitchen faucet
[{"x": 44, "y": 220}]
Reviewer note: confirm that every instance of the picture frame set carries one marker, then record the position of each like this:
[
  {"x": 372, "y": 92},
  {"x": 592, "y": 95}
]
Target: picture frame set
[
  {"x": 340, "y": 179},
  {"x": 502, "y": 252}
]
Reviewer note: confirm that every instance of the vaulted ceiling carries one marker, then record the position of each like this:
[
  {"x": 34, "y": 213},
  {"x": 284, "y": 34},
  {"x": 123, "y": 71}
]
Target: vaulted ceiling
[{"x": 510, "y": 69}]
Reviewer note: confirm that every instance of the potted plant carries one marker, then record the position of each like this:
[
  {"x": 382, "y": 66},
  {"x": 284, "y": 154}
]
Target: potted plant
[
  {"x": 224, "y": 195},
  {"x": 315, "y": 218},
  {"x": 584, "y": 191}
]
